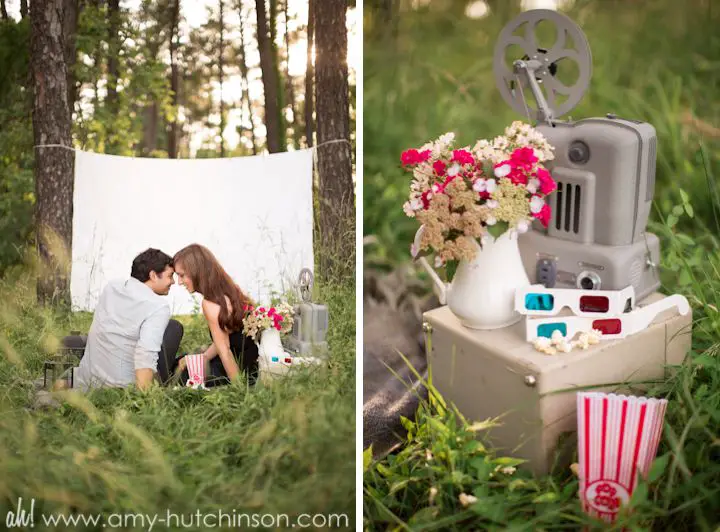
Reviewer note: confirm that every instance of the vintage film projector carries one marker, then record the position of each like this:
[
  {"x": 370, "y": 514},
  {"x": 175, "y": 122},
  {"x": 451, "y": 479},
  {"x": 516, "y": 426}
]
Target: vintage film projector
[
  {"x": 604, "y": 168},
  {"x": 595, "y": 256},
  {"x": 311, "y": 321}
]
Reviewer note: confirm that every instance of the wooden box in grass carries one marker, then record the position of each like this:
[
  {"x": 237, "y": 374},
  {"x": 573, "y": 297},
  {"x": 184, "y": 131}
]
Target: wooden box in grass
[{"x": 487, "y": 374}]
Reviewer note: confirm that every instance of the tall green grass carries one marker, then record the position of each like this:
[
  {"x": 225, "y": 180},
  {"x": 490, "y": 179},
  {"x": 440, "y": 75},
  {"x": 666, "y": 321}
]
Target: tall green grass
[{"x": 286, "y": 448}]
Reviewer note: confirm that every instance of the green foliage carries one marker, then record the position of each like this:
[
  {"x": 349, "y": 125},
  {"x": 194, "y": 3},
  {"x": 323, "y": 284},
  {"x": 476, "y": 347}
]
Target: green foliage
[
  {"x": 16, "y": 141},
  {"x": 287, "y": 448},
  {"x": 143, "y": 78}
]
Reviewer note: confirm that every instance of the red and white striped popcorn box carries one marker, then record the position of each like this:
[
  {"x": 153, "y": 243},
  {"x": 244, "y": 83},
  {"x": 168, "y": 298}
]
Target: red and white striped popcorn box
[
  {"x": 618, "y": 438},
  {"x": 196, "y": 371}
]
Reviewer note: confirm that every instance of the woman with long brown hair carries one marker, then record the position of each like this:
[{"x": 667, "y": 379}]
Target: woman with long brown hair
[{"x": 223, "y": 307}]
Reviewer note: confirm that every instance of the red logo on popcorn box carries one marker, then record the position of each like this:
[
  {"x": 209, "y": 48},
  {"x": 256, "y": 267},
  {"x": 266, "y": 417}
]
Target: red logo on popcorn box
[{"x": 606, "y": 496}]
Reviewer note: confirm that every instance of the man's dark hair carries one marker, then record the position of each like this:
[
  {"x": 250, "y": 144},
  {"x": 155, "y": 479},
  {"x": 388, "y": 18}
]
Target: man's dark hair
[{"x": 150, "y": 260}]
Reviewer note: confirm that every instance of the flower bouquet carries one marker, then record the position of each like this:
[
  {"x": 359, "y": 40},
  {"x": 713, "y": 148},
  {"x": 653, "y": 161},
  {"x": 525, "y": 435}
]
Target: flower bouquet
[
  {"x": 472, "y": 204},
  {"x": 257, "y": 319},
  {"x": 463, "y": 196}
]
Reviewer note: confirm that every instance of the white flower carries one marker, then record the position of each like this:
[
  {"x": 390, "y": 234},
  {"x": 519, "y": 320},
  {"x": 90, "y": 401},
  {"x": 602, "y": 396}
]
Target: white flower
[
  {"x": 502, "y": 171},
  {"x": 466, "y": 500},
  {"x": 536, "y": 204},
  {"x": 446, "y": 139},
  {"x": 508, "y": 470},
  {"x": 481, "y": 145},
  {"x": 492, "y": 204},
  {"x": 480, "y": 184},
  {"x": 557, "y": 337},
  {"x": 500, "y": 143},
  {"x": 523, "y": 226},
  {"x": 533, "y": 185},
  {"x": 491, "y": 186},
  {"x": 453, "y": 170},
  {"x": 408, "y": 209},
  {"x": 433, "y": 494},
  {"x": 438, "y": 262},
  {"x": 491, "y": 220}
]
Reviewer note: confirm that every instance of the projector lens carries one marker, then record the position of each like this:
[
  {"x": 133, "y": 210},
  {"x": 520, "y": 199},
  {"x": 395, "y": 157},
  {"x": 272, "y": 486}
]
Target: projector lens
[{"x": 579, "y": 152}]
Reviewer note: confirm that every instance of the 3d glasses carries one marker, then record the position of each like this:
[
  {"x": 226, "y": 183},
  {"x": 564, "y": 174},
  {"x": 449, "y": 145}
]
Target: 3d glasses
[
  {"x": 536, "y": 300},
  {"x": 612, "y": 327}
]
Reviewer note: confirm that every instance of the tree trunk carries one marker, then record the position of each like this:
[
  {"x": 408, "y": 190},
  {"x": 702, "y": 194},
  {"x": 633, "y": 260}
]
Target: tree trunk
[
  {"x": 245, "y": 84},
  {"x": 289, "y": 89},
  {"x": 220, "y": 68},
  {"x": 309, "y": 75},
  {"x": 270, "y": 82},
  {"x": 23, "y": 8},
  {"x": 174, "y": 79},
  {"x": 72, "y": 14},
  {"x": 111, "y": 101},
  {"x": 54, "y": 167},
  {"x": 3, "y": 10},
  {"x": 279, "y": 90},
  {"x": 337, "y": 198},
  {"x": 150, "y": 121}
]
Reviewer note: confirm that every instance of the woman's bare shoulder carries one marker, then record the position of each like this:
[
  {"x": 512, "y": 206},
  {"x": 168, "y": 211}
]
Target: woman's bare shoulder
[{"x": 210, "y": 309}]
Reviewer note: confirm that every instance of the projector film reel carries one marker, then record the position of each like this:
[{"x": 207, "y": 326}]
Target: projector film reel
[
  {"x": 305, "y": 284},
  {"x": 542, "y": 64}
]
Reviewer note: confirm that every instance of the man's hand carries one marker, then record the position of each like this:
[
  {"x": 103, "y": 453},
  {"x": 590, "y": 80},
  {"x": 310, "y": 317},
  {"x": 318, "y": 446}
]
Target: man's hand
[{"x": 143, "y": 378}]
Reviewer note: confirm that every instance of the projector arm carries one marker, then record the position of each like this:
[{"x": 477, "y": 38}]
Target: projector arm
[{"x": 527, "y": 69}]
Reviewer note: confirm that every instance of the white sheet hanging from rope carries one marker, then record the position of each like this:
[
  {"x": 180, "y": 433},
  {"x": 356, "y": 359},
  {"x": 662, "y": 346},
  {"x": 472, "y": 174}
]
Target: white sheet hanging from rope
[{"x": 253, "y": 213}]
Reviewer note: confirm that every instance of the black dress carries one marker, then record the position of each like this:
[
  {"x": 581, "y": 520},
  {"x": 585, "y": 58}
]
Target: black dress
[{"x": 245, "y": 352}]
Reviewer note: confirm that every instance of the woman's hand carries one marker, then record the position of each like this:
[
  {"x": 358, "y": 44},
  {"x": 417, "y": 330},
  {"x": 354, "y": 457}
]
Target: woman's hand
[{"x": 182, "y": 365}]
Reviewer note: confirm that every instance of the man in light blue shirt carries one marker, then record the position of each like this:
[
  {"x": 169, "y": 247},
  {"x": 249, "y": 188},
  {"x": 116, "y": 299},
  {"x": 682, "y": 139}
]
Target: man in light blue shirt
[{"x": 132, "y": 336}]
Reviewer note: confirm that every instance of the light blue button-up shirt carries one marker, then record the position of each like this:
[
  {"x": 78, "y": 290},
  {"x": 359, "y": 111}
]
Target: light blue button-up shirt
[{"x": 126, "y": 334}]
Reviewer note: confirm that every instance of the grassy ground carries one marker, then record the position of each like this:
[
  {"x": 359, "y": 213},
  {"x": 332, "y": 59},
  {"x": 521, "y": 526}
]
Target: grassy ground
[
  {"x": 284, "y": 449},
  {"x": 654, "y": 61}
]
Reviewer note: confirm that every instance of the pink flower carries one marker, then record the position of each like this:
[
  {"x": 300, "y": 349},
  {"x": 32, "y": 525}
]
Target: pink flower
[
  {"x": 439, "y": 168},
  {"x": 261, "y": 310},
  {"x": 412, "y": 157},
  {"x": 517, "y": 176},
  {"x": 445, "y": 183},
  {"x": 426, "y": 198},
  {"x": 524, "y": 158},
  {"x": 463, "y": 157},
  {"x": 547, "y": 183},
  {"x": 271, "y": 311},
  {"x": 277, "y": 327},
  {"x": 543, "y": 215}
]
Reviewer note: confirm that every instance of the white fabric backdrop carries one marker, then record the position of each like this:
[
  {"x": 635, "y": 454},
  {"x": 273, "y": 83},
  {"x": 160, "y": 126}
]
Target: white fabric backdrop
[{"x": 253, "y": 213}]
